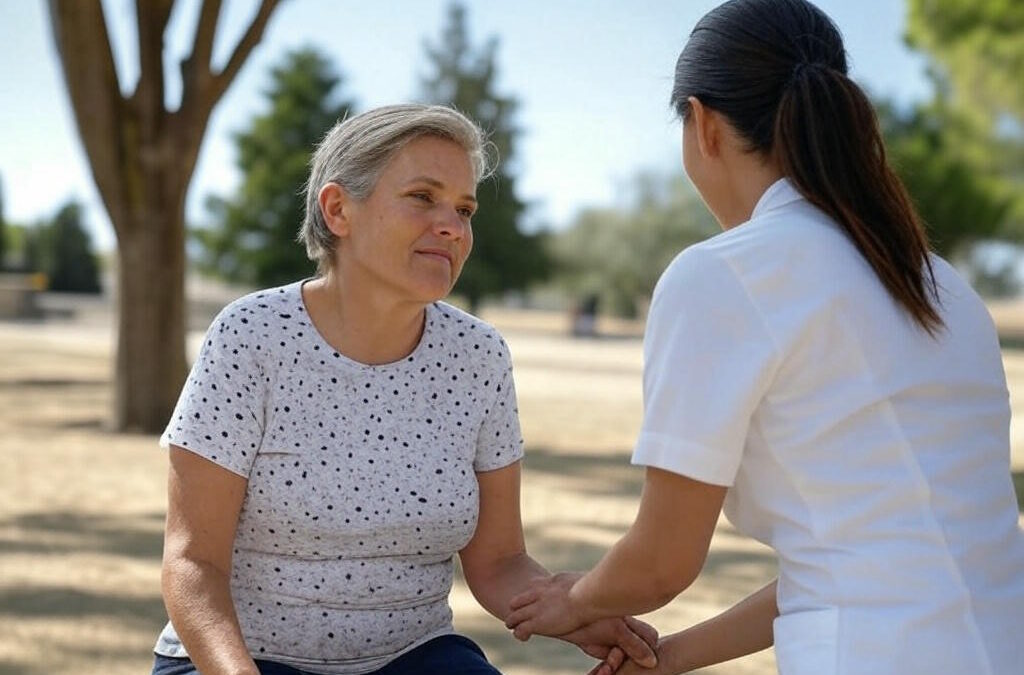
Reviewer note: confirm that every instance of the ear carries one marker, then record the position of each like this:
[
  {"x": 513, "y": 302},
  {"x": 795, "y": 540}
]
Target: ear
[
  {"x": 707, "y": 125},
  {"x": 335, "y": 206}
]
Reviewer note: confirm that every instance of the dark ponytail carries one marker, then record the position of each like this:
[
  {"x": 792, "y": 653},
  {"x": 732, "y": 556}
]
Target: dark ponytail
[{"x": 777, "y": 70}]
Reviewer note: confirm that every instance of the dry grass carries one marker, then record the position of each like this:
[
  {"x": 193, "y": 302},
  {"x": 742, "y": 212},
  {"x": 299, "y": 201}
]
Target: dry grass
[{"x": 81, "y": 509}]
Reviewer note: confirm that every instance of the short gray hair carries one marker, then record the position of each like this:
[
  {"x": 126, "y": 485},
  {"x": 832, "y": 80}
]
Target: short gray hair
[{"x": 355, "y": 151}]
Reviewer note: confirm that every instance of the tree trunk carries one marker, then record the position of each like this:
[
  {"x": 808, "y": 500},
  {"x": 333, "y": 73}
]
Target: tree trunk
[
  {"x": 151, "y": 365},
  {"x": 142, "y": 157}
]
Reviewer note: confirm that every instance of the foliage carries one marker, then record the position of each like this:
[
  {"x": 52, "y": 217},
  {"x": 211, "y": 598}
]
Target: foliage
[
  {"x": 979, "y": 45},
  {"x": 252, "y": 238},
  {"x": 618, "y": 253},
  {"x": 72, "y": 265},
  {"x": 62, "y": 250},
  {"x": 504, "y": 257},
  {"x": 977, "y": 60},
  {"x": 3, "y": 230},
  {"x": 959, "y": 204}
]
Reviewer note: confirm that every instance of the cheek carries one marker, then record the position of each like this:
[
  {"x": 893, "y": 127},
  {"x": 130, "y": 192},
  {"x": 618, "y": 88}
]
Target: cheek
[{"x": 464, "y": 249}]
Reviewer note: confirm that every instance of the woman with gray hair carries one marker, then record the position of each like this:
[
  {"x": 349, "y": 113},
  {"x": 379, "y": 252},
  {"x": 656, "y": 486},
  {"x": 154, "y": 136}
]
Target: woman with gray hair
[{"x": 341, "y": 438}]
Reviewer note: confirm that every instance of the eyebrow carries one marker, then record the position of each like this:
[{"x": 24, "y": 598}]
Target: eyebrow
[{"x": 433, "y": 182}]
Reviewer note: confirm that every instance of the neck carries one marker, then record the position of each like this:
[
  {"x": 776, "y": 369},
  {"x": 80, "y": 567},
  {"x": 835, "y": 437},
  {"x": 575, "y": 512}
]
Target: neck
[
  {"x": 362, "y": 324},
  {"x": 748, "y": 177}
]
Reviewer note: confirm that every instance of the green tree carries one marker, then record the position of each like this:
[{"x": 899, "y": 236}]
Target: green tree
[
  {"x": 504, "y": 257},
  {"x": 618, "y": 253},
  {"x": 252, "y": 237},
  {"x": 979, "y": 47},
  {"x": 3, "y": 230},
  {"x": 977, "y": 60},
  {"x": 142, "y": 148},
  {"x": 70, "y": 262},
  {"x": 959, "y": 204}
]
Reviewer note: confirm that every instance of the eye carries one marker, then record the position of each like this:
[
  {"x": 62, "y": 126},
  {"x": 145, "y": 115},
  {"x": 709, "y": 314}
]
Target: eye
[
  {"x": 423, "y": 197},
  {"x": 466, "y": 211}
]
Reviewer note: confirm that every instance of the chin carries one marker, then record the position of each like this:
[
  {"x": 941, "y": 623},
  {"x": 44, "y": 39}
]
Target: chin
[{"x": 428, "y": 293}]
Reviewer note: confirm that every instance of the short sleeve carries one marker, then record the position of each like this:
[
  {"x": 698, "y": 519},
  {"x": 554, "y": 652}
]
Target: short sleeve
[
  {"x": 500, "y": 440},
  {"x": 220, "y": 413},
  {"x": 708, "y": 360}
]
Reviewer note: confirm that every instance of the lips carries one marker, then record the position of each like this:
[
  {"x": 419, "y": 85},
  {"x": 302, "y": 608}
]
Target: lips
[{"x": 438, "y": 253}]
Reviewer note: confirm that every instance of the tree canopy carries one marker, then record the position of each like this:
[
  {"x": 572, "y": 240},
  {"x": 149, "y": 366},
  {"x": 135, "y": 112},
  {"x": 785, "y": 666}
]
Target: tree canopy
[
  {"x": 979, "y": 47},
  {"x": 959, "y": 204},
  {"x": 617, "y": 254},
  {"x": 252, "y": 236},
  {"x": 504, "y": 257},
  {"x": 70, "y": 264},
  {"x": 976, "y": 56},
  {"x": 3, "y": 229}
]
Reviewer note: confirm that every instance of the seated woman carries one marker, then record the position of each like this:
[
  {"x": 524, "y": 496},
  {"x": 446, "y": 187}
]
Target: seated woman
[
  {"x": 340, "y": 439},
  {"x": 817, "y": 371}
]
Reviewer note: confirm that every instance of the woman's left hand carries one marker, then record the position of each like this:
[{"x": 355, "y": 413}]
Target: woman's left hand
[{"x": 545, "y": 608}]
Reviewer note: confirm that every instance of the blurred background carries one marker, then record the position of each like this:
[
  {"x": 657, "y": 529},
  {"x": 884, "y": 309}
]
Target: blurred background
[{"x": 151, "y": 164}]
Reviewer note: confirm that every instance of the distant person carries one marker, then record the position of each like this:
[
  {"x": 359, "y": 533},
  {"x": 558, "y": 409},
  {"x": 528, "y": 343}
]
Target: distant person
[
  {"x": 819, "y": 372},
  {"x": 341, "y": 438},
  {"x": 584, "y": 316}
]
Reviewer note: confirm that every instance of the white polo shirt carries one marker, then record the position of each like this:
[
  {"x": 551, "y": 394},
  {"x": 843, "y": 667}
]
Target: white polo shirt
[{"x": 871, "y": 456}]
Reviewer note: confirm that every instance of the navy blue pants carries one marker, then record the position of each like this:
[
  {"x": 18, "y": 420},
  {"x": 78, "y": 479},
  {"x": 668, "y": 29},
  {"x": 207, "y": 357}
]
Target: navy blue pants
[{"x": 445, "y": 655}]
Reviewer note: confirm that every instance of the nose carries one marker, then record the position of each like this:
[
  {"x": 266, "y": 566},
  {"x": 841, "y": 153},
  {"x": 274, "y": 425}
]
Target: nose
[{"x": 450, "y": 224}]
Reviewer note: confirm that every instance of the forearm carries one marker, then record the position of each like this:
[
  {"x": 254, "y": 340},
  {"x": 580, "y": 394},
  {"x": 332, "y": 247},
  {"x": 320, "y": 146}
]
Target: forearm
[
  {"x": 660, "y": 555},
  {"x": 617, "y": 587},
  {"x": 198, "y": 600},
  {"x": 495, "y": 586},
  {"x": 742, "y": 629}
]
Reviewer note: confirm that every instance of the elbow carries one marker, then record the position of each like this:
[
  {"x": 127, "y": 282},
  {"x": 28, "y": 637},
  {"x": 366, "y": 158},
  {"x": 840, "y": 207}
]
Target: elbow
[
  {"x": 171, "y": 578},
  {"x": 669, "y": 581}
]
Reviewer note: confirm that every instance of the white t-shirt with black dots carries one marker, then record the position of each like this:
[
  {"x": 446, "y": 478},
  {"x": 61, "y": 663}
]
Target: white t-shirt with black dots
[{"x": 362, "y": 479}]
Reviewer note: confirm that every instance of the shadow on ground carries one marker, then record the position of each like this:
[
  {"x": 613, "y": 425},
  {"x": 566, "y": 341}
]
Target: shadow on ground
[
  {"x": 57, "y": 599},
  {"x": 607, "y": 474},
  {"x": 63, "y": 533}
]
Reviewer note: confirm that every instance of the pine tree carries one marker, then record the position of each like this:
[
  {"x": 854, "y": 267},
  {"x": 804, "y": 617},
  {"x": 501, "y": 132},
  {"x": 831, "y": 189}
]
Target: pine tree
[
  {"x": 504, "y": 258},
  {"x": 70, "y": 262},
  {"x": 252, "y": 239},
  {"x": 3, "y": 230}
]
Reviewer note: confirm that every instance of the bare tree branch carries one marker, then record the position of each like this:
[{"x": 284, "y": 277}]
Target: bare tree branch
[
  {"x": 202, "y": 46},
  {"x": 151, "y": 17},
  {"x": 80, "y": 34},
  {"x": 242, "y": 50},
  {"x": 148, "y": 109}
]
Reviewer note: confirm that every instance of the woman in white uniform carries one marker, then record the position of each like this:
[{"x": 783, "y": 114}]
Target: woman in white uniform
[{"x": 821, "y": 375}]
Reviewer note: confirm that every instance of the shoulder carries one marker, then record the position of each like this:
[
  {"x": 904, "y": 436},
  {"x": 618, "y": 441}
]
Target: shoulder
[
  {"x": 467, "y": 333},
  {"x": 703, "y": 269},
  {"x": 247, "y": 326},
  {"x": 266, "y": 302}
]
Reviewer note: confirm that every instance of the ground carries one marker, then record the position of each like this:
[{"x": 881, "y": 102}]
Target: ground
[{"x": 81, "y": 509}]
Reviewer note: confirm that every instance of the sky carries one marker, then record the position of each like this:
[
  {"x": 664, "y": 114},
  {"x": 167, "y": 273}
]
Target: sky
[{"x": 592, "y": 79}]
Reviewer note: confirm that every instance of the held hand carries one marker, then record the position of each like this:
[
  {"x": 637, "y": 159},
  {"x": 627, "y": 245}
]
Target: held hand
[
  {"x": 623, "y": 666},
  {"x": 614, "y": 640},
  {"x": 545, "y": 608}
]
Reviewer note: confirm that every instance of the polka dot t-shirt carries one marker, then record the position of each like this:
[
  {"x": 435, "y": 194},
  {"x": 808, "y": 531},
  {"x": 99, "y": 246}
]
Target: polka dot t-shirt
[{"x": 362, "y": 479}]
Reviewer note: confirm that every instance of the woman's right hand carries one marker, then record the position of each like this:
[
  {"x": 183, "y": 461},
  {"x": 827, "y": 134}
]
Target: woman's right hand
[
  {"x": 620, "y": 664},
  {"x": 614, "y": 641}
]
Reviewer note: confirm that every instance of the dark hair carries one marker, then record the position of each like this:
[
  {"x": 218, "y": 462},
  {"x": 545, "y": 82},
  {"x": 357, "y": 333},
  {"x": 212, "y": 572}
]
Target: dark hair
[{"x": 776, "y": 69}]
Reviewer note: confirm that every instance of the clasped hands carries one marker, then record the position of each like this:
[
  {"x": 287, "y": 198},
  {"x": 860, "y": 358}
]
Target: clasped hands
[{"x": 546, "y": 608}]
